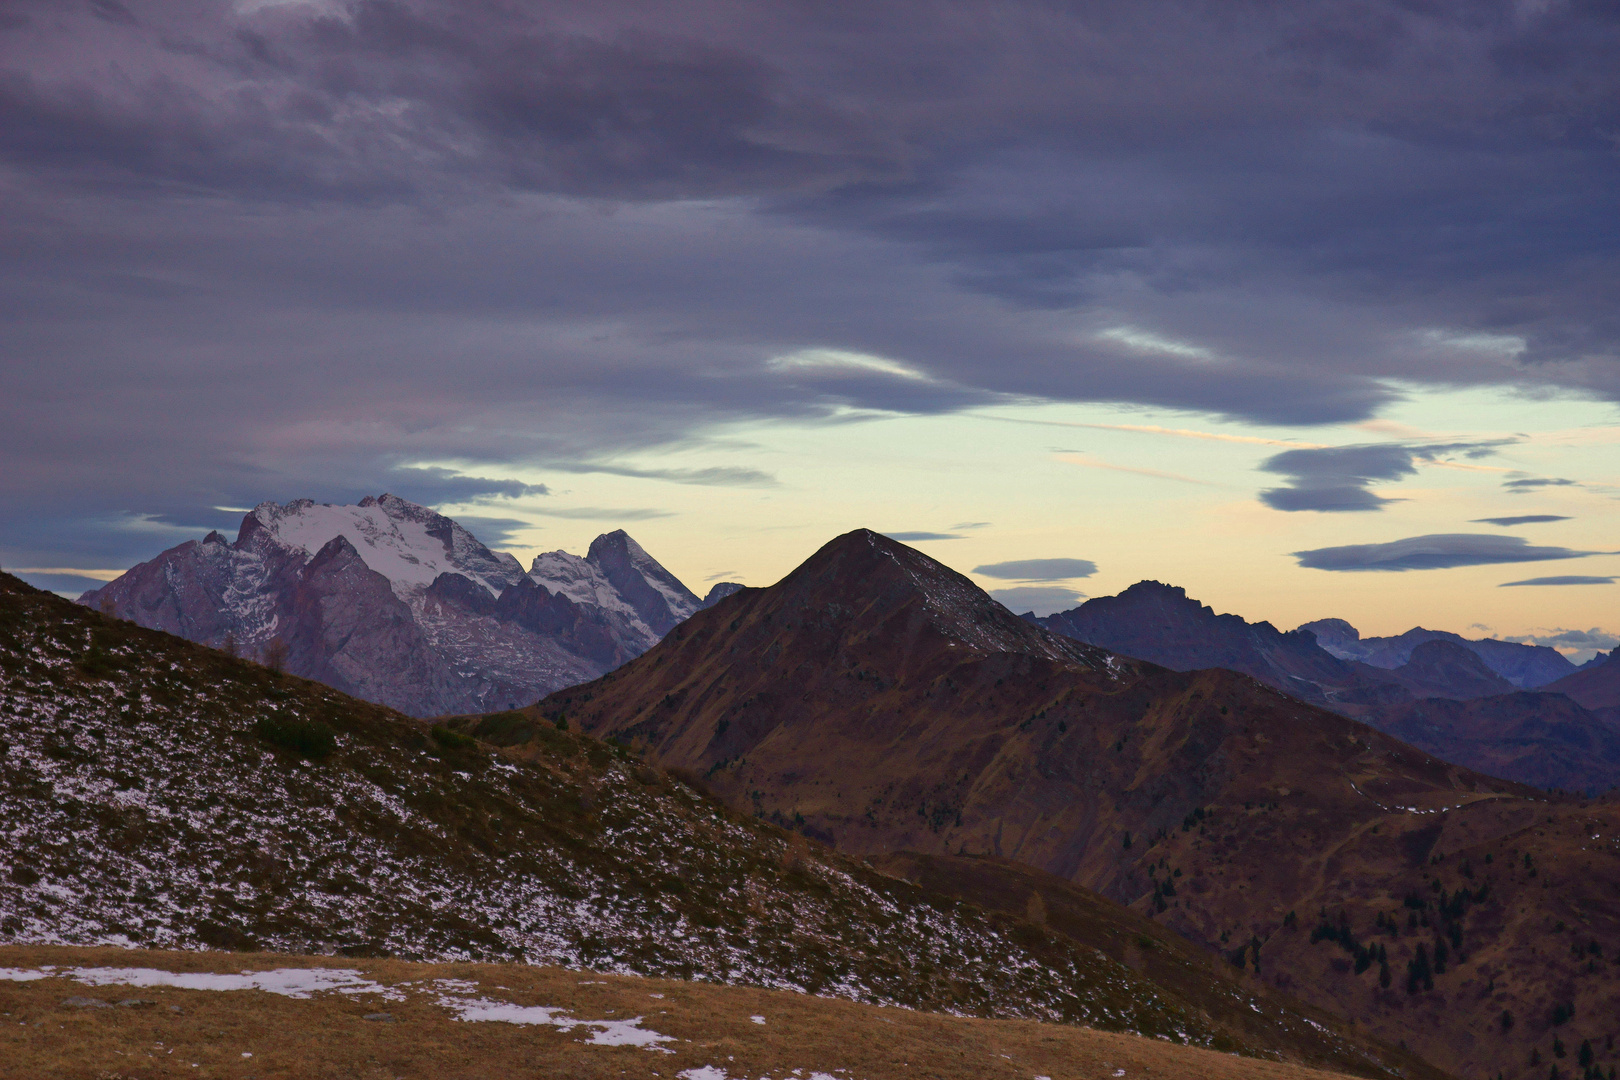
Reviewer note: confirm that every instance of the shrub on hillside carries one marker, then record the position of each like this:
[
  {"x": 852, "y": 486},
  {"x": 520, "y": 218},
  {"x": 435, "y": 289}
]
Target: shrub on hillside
[{"x": 307, "y": 738}]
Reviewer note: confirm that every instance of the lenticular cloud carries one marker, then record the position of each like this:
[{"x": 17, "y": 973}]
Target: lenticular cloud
[{"x": 1439, "y": 551}]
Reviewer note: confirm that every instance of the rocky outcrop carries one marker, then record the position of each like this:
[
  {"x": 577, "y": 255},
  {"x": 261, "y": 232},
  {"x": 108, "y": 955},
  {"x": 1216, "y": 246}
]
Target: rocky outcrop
[{"x": 394, "y": 603}]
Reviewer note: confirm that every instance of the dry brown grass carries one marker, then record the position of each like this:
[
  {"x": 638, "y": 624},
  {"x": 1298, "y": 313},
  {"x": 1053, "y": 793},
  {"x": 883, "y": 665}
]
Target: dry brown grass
[{"x": 328, "y": 1036}]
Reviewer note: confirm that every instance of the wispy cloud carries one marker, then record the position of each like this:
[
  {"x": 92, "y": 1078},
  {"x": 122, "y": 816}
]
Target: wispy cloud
[
  {"x": 1152, "y": 429},
  {"x": 1521, "y": 519},
  {"x": 601, "y": 513},
  {"x": 1561, "y": 579},
  {"x": 1533, "y": 483},
  {"x": 1088, "y": 463},
  {"x": 67, "y": 571},
  {"x": 710, "y": 476}
]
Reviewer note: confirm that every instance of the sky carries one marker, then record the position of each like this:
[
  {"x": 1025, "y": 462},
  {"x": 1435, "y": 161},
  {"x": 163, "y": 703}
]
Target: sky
[{"x": 1310, "y": 309}]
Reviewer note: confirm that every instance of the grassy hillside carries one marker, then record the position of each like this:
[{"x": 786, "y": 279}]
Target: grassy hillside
[{"x": 160, "y": 794}]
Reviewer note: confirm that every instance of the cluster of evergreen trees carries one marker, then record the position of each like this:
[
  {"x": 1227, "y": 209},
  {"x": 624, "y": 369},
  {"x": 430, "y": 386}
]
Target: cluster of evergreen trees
[{"x": 1429, "y": 959}]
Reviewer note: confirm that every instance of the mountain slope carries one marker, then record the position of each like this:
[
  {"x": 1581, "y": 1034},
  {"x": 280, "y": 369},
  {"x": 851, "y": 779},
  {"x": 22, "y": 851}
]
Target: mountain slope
[
  {"x": 1536, "y": 738},
  {"x": 1443, "y": 669},
  {"x": 1596, "y": 686},
  {"x": 1525, "y": 666},
  {"x": 362, "y": 832},
  {"x": 1161, "y": 624},
  {"x": 879, "y": 700},
  {"x": 394, "y": 603}
]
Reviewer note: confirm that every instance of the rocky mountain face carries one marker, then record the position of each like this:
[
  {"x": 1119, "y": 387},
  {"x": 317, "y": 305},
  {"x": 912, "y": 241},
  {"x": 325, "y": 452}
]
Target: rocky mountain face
[
  {"x": 1525, "y": 666},
  {"x": 878, "y": 700},
  {"x": 1540, "y": 738},
  {"x": 1596, "y": 685},
  {"x": 161, "y": 794},
  {"x": 1163, "y": 625},
  {"x": 396, "y": 604}
]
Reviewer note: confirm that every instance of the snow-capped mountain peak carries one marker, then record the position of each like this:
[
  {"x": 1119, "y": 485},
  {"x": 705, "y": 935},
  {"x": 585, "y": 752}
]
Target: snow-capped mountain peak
[
  {"x": 618, "y": 575},
  {"x": 399, "y": 604},
  {"x": 408, "y": 544}
]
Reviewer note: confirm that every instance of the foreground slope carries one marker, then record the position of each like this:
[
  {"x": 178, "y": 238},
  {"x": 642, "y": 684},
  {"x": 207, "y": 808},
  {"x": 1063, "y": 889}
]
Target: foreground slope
[
  {"x": 389, "y": 601},
  {"x": 475, "y": 1021},
  {"x": 160, "y": 794},
  {"x": 878, "y": 700}
]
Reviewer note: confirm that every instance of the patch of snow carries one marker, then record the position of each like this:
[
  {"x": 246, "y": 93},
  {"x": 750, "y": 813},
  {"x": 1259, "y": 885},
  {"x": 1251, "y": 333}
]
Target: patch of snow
[{"x": 24, "y": 975}]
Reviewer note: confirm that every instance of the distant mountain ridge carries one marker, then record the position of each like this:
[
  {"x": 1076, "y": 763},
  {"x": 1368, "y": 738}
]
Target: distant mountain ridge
[
  {"x": 1536, "y": 737},
  {"x": 1525, "y": 666},
  {"x": 395, "y": 603}
]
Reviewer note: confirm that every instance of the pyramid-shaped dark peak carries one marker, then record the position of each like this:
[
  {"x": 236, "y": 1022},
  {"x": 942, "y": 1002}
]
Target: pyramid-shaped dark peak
[{"x": 863, "y": 578}]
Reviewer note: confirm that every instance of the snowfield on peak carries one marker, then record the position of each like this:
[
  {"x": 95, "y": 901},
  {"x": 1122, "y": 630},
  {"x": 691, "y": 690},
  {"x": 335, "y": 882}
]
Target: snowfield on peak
[{"x": 405, "y": 543}]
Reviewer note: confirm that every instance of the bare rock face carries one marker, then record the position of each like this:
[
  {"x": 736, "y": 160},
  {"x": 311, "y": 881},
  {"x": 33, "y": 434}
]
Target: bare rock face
[{"x": 394, "y": 603}]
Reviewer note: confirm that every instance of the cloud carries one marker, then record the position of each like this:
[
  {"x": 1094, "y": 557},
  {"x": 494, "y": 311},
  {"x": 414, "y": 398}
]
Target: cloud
[
  {"x": 601, "y": 513},
  {"x": 494, "y": 532},
  {"x": 333, "y": 237},
  {"x": 1038, "y": 569},
  {"x": 431, "y": 485},
  {"x": 1074, "y": 458},
  {"x": 717, "y": 475},
  {"x": 66, "y": 571},
  {"x": 1336, "y": 479},
  {"x": 1041, "y": 599},
  {"x": 913, "y": 537},
  {"x": 1561, "y": 579},
  {"x": 1532, "y": 483},
  {"x": 1435, "y": 552},
  {"x": 1521, "y": 519},
  {"x": 1594, "y": 639}
]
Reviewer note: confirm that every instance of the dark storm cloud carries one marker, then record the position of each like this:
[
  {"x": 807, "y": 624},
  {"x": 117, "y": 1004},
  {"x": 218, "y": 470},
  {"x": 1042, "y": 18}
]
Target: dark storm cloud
[
  {"x": 1521, "y": 519},
  {"x": 1561, "y": 579},
  {"x": 276, "y": 253},
  {"x": 1038, "y": 569},
  {"x": 1335, "y": 479},
  {"x": 1441, "y": 551}
]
